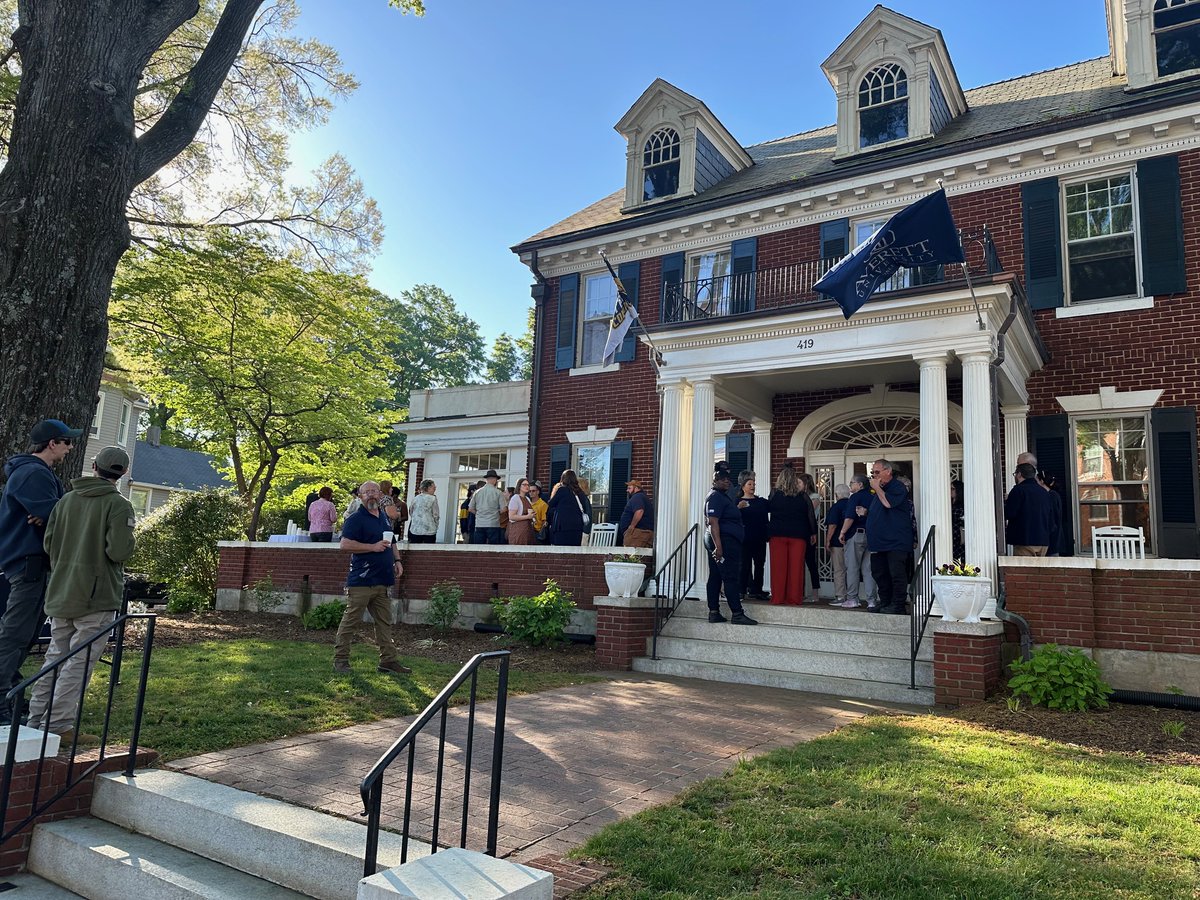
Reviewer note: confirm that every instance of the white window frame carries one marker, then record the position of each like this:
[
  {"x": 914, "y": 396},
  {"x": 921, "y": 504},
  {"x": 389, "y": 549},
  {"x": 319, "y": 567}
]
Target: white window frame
[
  {"x": 123, "y": 427},
  {"x": 580, "y": 362},
  {"x": 691, "y": 276},
  {"x": 858, "y": 107},
  {"x": 1102, "y": 303},
  {"x": 98, "y": 418},
  {"x": 1083, "y": 534},
  {"x": 607, "y": 445},
  {"x": 677, "y": 157},
  {"x": 140, "y": 510},
  {"x": 1155, "y": 32}
]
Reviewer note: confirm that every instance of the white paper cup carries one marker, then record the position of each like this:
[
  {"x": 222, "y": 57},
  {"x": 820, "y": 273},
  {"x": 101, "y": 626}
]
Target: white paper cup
[{"x": 388, "y": 537}]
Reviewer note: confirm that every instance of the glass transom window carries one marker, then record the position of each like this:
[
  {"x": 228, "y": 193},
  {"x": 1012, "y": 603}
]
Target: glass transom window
[
  {"x": 883, "y": 106},
  {"x": 1101, "y": 250},
  {"x": 599, "y": 303},
  {"x": 481, "y": 461},
  {"x": 1176, "y": 36},
  {"x": 1112, "y": 474},
  {"x": 660, "y": 161}
]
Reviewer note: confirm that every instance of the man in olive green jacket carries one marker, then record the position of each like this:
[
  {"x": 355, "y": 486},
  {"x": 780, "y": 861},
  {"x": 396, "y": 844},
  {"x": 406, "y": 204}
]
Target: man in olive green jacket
[{"x": 88, "y": 538}]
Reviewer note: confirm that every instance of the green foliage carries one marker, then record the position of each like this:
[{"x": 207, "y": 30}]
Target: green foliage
[
  {"x": 627, "y": 558},
  {"x": 1174, "y": 729},
  {"x": 444, "y": 600},
  {"x": 267, "y": 597},
  {"x": 960, "y": 569},
  {"x": 1059, "y": 679},
  {"x": 1013, "y": 704},
  {"x": 536, "y": 620},
  {"x": 505, "y": 362},
  {"x": 177, "y": 544},
  {"x": 324, "y": 615}
]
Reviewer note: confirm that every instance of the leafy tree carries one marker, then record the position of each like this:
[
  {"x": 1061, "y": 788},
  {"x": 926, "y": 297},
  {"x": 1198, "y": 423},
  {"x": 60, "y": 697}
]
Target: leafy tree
[
  {"x": 102, "y": 134},
  {"x": 269, "y": 363},
  {"x": 525, "y": 345},
  {"x": 505, "y": 363}
]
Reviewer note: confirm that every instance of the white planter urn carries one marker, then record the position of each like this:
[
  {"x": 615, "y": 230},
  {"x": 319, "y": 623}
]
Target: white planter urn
[
  {"x": 961, "y": 598},
  {"x": 624, "y": 578}
]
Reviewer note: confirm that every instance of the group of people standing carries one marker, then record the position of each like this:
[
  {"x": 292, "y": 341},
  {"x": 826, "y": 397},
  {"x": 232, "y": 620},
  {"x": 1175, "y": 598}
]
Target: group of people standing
[
  {"x": 421, "y": 518},
  {"x": 869, "y": 533}
]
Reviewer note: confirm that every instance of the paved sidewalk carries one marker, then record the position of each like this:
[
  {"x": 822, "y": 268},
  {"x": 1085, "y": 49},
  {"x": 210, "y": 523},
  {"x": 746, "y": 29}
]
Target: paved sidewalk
[{"x": 575, "y": 759}]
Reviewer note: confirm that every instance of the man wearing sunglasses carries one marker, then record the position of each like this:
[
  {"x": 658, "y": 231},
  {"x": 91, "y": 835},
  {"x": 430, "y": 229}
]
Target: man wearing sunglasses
[{"x": 30, "y": 494}]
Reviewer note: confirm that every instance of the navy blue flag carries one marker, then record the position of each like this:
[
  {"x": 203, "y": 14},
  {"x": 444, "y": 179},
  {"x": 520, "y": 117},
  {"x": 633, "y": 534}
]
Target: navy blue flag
[{"x": 919, "y": 235}]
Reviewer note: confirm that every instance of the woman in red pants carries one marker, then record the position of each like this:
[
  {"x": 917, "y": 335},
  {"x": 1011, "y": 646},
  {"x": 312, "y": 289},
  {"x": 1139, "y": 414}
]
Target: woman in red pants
[{"x": 793, "y": 526}]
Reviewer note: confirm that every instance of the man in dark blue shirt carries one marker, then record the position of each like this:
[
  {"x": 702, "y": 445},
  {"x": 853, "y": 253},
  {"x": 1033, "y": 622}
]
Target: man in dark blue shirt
[
  {"x": 860, "y": 583},
  {"x": 637, "y": 519},
  {"x": 889, "y": 538},
  {"x": 833, "y": 541},
  {"x": 1028, "y": 514},
  {"x": 724, "y": 543},
  {"x": 374, "y": 567}
]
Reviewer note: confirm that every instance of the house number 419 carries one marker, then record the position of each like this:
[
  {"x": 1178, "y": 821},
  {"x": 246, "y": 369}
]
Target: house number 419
[{"x": 806, "y": 344}]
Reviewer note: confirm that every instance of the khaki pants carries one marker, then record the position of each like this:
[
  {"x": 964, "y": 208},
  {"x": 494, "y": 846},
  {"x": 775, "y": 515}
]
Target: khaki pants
[
  {"x": 73, "y": 675},
  {"x": 837, "y": 556},
  {"x": 1029, "y": 550},
  {"x": 375, "y": 601},
  {"x": 639, "y": 537}
]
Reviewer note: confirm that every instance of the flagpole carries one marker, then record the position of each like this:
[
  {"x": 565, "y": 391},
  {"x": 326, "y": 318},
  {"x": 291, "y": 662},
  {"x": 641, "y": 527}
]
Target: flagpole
[
  {"x": 966, "y": 268},
  {"x": 637, "y": 319}
]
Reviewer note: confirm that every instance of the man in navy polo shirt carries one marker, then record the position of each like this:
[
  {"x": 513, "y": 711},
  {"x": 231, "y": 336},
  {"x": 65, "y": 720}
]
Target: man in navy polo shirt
[
  {"x": 860, "y": 583},
  {"x": 374, "y": 567},
  {"x": 889, "y": 538},
  {"x": 724, "y": 543}
]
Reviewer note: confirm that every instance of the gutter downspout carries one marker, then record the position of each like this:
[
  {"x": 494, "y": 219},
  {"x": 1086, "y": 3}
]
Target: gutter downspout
[{"x": 538, "y": 291}]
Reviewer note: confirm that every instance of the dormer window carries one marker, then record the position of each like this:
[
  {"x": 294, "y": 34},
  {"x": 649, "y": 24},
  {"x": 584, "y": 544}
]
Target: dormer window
[
  {"x": 660, "y": 163},
  {"x": 1176, "y": 36},
  {"x": 883, "y": 106}
]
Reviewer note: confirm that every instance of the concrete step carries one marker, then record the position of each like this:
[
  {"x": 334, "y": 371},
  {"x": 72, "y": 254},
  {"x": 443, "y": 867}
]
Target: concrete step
[
  {"x": 317, "y": 854},
  {"x": 800, "y": 637},
  {"x": 813, "y": 615},
  {"x": 795, "y": 681},
  {"x": 27, "y": 886},
  {"x": 784, "y": 659},
  {"x": 101, "y": 861}
]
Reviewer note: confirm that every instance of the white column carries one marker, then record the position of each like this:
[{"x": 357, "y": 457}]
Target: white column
[
  {"x": 671, "y": 479},
  {"x": 763, "y": 474},
  {"x": 1016, "y": 436},
  {"x": 978, "y": 478},
  {"x": 933, "y": 504},
  {"x": 704, "y": 410},
  {"x": 410, "y": 489}
]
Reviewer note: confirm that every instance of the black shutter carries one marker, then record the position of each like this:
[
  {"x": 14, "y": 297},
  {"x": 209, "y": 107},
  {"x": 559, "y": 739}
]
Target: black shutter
[
  {"x": 1173, "y": 494},
  {"x": 568, "y": 306},
  {"x": 560, "y": 459},
  {"x": 1043, "y": 244},
  {"x": 1160, "y": 226},
  {"x": 745, "y": 255},
  {"x": 619, "y": 474},
  {"x": 835, "y": 239},
  {"x": 671, "y": 308},
  {"x": 631, "y": 276},
  {"x": 738, "y": 448},
  {"x": 1050, "y": 442}
]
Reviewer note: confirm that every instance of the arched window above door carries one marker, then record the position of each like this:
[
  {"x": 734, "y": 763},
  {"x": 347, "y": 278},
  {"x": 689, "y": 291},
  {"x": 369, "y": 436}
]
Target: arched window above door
[{"x": 876, "y": 432}]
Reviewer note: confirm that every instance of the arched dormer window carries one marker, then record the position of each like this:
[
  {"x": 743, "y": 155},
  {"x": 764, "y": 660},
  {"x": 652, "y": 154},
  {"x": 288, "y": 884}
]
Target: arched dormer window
[
  {"x": 882, "y": 106},
  {"x": 660, "y": 163}
]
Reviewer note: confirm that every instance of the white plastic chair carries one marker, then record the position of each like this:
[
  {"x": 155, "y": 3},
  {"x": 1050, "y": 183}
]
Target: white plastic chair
[
  {"x": 604, "y": 535},
  {"x": 1118, "y": 542}
]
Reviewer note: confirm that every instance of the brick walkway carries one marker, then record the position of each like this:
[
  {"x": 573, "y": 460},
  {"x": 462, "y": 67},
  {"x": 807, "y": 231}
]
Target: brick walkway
[{"x": 575, "y": 759}]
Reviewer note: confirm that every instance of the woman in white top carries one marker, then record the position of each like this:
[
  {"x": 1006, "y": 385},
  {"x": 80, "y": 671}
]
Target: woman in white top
[
  {"x": 520, "y": 515},
  {"x": 424, "y": 515}
]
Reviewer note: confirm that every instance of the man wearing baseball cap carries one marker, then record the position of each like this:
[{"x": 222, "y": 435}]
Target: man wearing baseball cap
[
  {"x": 30, "y": 494},
  {"x": 88, "y": 538}
]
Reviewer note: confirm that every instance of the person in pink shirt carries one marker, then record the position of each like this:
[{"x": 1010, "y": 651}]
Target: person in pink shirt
[{"x": 322, "y": 516}]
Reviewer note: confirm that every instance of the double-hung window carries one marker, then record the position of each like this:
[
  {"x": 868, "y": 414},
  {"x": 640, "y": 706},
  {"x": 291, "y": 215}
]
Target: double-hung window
[
  {"x": 98, "y": 418},
  {"x": 1112, "y": 475},
  {"x": 883, "y": 106},
  {"x": 599, "y": 303},
  {"x": 709, "y": 277},
  {"x": 593, "y": 465},
  {"x": 1176, "y": 36},
  {"x": 1101, "y": 245},
  {"x": 904, "y": 277},
  {"x": 123, "y": 428},
  {"x": 660, "y": 164}
]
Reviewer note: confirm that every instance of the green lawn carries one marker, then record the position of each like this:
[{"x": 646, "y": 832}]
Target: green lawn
[
  {"x": 220, "y": 694},
  {"x": 917, "y": 807}
]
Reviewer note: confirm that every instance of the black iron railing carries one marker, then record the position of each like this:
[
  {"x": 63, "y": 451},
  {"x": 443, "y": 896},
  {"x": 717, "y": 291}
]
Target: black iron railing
[
  {"x": 920, "y": 594},
  {"x": 371, "y": 788},
  {"x": 672, "y": 582},
  {"x": 92, "y": 648}
]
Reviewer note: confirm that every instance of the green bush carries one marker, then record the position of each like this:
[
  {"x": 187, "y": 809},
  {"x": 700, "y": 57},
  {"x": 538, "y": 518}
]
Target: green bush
[
  {"x": 1059, "y": 679},
  {"x": 177, "y": 543},
  {"x": 444, "y": 598},
  {"x": 186, "y": 599},
  {"x": 536, "y": 620},
  {"x": 267, "y": 597},
  {"x": 324, "y": 615}
]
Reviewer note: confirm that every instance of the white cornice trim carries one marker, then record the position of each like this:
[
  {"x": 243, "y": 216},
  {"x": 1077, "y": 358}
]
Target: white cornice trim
[
  {"x": 593, "y": 435},
  {"x": 1109, "y": 399}
]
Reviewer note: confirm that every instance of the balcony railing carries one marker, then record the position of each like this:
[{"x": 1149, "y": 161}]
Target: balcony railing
[{"x": 791, "y": 285}]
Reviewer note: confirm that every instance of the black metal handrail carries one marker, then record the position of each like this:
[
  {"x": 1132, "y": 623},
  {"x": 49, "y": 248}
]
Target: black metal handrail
[
  {"x": 371, "y": 788},
  {"x": 677, "y": 575},
  {"x": 920, "y": 592},
  {"x": 16, "y": 697}
]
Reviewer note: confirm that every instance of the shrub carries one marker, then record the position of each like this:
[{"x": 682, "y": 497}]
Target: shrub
[
  {"x": 444, "y": 598},
  {"x": 177, "y": 544},
  {"x": 536, "y": 620},
  {"x": 324, "y": 615},
  {"x": 1059, "y": 679},
  {"x": 267, "y": 598}
]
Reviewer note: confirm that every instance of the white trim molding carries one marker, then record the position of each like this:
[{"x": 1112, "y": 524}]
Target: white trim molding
[
  {"x": 1100, "y": 307},
  {"x": 593, "y": 435},
  {"x": 1109, "y": 399}
]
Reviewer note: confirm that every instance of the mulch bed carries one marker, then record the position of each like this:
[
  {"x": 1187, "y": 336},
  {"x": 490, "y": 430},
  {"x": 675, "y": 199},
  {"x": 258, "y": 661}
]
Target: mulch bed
[
  {"x": 455, "y": 646},
  {"x": 1121, "y": 728}
]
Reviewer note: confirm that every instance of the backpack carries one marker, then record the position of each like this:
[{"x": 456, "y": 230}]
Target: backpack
[{"x": 504, "y": 516}]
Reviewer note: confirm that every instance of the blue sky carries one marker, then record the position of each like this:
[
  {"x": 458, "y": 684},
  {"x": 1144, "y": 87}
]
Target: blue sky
[{"x": 484, "y": 122}]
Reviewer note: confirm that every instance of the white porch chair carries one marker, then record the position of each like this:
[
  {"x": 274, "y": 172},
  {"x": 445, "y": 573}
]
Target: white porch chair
[
  {"x": 1118, "y": 542},
  {"x": 604, "y": 535}
]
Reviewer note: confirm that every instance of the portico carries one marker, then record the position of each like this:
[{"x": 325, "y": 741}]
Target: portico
[{"x": 925, "y": 339}]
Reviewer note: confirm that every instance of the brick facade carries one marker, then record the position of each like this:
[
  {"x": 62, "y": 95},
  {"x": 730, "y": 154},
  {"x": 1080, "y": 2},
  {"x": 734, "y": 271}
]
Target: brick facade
[{"x": 966, "y": 663}]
